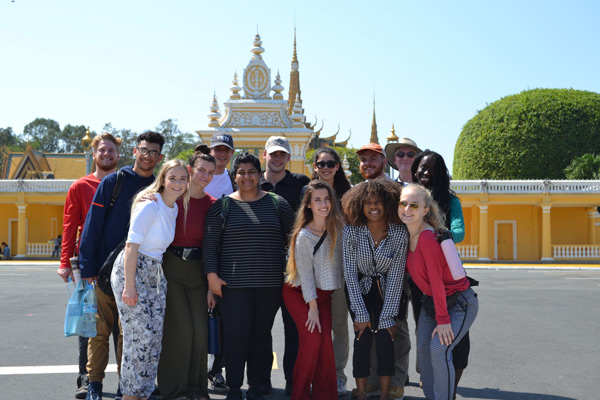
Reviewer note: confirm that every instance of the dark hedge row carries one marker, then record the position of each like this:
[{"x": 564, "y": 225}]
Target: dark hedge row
[{"x": 531, "y": 135}]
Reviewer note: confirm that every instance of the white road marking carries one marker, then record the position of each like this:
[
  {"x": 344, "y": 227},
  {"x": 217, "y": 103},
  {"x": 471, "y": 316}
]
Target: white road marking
[{"x": 48, "y": 369}]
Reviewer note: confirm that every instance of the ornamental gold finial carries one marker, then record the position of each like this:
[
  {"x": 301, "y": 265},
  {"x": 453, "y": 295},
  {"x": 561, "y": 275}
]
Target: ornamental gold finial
[
  {"x": 214, "y": 114},
  {"x": 86, "y": 141},
  {"x": 392, "y": 137},
  {"x": 374, "y": 138}
]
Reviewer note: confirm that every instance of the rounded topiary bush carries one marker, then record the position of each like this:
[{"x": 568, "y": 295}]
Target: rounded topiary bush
[{"x": 531, "y": 135}]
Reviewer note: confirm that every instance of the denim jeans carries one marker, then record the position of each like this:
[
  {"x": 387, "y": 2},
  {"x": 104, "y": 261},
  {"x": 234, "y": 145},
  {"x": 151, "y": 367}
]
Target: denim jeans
[{"x": 435, "y": 359}]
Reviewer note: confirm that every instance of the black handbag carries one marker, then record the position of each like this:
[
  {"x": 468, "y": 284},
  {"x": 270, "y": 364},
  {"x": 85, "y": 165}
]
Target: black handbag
[{"x": 103, "y": 278}]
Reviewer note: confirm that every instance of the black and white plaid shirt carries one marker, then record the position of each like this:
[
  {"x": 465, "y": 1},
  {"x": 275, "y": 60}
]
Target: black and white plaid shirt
[{"x": 390, "y": 258}]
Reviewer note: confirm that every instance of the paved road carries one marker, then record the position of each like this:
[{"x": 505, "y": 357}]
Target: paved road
[{"x": 536, "y": 337}]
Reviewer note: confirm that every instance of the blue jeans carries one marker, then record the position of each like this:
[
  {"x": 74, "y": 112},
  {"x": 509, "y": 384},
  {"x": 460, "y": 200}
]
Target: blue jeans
[{"x": 435, "y": 359}]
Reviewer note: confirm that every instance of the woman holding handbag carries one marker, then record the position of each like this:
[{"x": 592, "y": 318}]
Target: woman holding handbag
[
  {"x": 375, "y": 244},
  {"x": 183, "y": 361},
  {"x": 451, "y": 305},
  {"x": 137, "y": 281},
  {"x": 314, "y": 271}
]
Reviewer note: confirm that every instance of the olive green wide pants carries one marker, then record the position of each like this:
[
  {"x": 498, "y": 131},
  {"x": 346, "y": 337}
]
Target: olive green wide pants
[{"x": 182, "y": 368}]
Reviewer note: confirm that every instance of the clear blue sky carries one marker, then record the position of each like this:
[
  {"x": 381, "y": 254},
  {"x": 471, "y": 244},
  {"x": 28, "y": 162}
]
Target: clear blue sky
[{"x": 431, "y": 65}]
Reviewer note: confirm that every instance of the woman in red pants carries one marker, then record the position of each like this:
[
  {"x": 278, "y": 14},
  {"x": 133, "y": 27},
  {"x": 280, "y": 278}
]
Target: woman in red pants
[{"x": 314, "y": 271}]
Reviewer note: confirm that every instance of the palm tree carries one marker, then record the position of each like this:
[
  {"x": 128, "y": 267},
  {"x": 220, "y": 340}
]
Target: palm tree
[{"x": 585, "y": 167}]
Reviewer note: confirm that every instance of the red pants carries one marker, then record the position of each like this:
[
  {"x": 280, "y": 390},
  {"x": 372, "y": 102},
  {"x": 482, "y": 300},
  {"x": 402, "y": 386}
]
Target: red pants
[{"x": 315, "y": 363}]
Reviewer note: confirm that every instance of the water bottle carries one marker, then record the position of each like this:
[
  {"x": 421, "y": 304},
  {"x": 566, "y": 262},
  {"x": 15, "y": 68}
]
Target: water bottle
[
  {"x": 71, "y": 286},
  {"x": 90, "y": 312},
  {"x": 213, "y": 333},
  {"x": 76, "y": 271}
]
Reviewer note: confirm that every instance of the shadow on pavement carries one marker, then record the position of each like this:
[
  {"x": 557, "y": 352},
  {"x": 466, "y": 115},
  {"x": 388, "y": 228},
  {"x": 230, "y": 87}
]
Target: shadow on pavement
[{"x": 497, "y": 394}]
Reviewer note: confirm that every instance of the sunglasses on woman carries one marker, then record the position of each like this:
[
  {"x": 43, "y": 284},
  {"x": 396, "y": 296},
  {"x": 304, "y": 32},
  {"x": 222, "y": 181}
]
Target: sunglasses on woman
[
  {"x": 413, "y": 206},
  {"x": 328, "y": 164}
]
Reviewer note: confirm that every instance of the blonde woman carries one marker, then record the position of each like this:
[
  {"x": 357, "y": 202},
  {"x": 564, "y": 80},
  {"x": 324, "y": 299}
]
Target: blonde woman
[
  {"x": 138, "y": 281},
  {"x": 449, "y": 305},
  {"x": 314, "y": 271}
]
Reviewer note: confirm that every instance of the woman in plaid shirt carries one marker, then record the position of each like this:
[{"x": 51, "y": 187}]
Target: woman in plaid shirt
[{"x": 375, "y": 246}]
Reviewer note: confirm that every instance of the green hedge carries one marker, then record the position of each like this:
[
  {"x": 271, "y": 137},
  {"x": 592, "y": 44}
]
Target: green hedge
[{"x": 531, "y": 135}]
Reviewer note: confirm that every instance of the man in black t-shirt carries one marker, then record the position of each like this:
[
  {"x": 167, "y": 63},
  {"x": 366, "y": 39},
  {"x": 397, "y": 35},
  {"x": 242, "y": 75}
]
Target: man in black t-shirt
[{"x": 288, "y": 185}]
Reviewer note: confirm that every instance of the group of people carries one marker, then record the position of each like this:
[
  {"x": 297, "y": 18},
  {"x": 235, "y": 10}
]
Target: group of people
[{"x": 249, "y": 242}]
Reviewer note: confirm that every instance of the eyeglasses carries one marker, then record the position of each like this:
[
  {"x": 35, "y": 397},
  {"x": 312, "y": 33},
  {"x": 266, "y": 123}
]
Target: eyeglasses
[
  {"x": 413, "y": 206},
  {"x": 402, "y": 154},
  {"x": 328, "y": 164},
  {"x": 150, "y": 153}
]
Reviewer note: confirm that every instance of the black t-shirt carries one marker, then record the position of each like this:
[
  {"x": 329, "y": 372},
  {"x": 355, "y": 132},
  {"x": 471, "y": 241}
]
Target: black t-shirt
[{"x": 290, "y": 187}]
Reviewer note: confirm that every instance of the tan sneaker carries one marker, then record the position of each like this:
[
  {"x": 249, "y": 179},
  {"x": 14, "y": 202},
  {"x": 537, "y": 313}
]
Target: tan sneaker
[
  {"x": 371, "y": 390},
  {"x": 396, "y": 392}
]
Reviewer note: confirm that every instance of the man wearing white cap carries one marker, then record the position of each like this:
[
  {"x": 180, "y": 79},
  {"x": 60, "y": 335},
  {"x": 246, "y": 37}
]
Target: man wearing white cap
[
  {"x": 400, "y": 156},
  {"x": 288, "y": 185}
]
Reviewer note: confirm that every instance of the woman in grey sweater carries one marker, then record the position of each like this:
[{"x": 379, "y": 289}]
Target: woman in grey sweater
[{"x": 314, "y": 271}]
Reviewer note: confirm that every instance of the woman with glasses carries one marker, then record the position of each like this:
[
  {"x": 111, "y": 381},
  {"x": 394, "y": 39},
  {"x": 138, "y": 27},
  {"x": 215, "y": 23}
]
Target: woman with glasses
[
  {"x": 244, "y": 253},
  {"x": 449, "y": 305},
  {"x": 375, "y": 243},
  {"x": 327, "y": 167},
  {"x": 430, "y": 171}
]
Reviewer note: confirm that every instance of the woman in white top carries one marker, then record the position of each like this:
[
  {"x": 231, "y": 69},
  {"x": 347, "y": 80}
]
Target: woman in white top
[
  {"x": 137, "y": 281},
  {"x": 314, "y": 271}
]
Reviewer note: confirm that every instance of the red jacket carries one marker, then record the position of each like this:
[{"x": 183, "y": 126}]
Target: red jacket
[{"x": 79, "y": 199}]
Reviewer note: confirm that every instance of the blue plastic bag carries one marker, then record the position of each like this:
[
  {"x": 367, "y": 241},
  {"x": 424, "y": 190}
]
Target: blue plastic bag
[
  {"x": 74, "y": 313},
  {"x": 81, "y": 314}
]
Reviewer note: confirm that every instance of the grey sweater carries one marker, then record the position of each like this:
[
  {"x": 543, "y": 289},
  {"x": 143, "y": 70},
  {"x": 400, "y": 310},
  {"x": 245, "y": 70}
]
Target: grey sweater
[{"x": 318, "y": 271}]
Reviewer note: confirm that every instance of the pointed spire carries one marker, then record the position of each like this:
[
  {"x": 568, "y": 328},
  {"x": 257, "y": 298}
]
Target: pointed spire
[
  {"x": 277, "y": 88},
  {"x": 214, "y": 114},
  {"x": 294, "y": 91},
  {"x": 257, "y": 50},
  {"x": 298, "y": 114},
  {"x": 235, "y": 88},
  {"x": 392, "y": 138},
  {"x": 374, "y": 138}
]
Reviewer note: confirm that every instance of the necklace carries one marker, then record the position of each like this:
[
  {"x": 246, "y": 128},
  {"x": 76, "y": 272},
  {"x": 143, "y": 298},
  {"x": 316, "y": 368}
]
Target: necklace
[{"x": 380, "y": 237}]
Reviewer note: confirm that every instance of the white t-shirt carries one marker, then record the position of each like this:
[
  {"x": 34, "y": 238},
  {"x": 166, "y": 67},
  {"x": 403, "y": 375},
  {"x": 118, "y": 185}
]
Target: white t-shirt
[
  {"x": 152, "y": 226},
  {"x": 220, "y": 185}
]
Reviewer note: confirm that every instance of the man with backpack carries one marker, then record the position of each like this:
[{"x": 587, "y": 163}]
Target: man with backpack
[
  {"x": 105, "y": 228},
  {"x": 105, "y": 153}
]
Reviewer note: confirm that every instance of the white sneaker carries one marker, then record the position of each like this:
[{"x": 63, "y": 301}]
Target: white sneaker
[{"x": 341, "y": 387}]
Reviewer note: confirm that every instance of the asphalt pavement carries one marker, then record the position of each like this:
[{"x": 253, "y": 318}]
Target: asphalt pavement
[{"x": 536, "y": 336}]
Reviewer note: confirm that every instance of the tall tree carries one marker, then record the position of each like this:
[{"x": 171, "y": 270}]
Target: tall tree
[
  {"x": 70, "y": 138},
  {"x": 176, "y": 141},
  {"x": 9, "y": 141},
  {"x": 44, "y": 134}
]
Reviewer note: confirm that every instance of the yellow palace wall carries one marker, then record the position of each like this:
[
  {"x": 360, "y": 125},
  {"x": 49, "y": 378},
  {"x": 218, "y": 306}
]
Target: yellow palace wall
[{"x": 572, "y": 222}]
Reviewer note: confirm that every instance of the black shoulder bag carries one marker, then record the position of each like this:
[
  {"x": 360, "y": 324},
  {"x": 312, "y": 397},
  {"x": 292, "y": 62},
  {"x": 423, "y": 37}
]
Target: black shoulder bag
[{"x": 103, "y": 278}]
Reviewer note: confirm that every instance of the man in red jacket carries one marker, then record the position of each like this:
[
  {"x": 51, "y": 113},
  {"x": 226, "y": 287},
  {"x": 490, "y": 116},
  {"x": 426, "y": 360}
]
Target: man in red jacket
[{"x": 79, "y": 199}]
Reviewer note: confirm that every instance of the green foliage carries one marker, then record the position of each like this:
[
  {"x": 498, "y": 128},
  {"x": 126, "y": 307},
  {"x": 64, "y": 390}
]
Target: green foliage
[
  {"x": 353, "y": 161},
  {"x": 185, "y": 155},
  {"x": 531, "y": 135},
  {"x": 9, "y": 141},
  {"x": 44, "y": 135},
  {"x": 585, "y": 167},
  {"x": 175, "y": 140}
]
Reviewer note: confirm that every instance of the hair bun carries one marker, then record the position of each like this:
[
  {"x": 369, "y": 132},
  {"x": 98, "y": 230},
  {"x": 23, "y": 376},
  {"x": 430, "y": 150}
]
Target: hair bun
[{"x": 202, "y": 148}]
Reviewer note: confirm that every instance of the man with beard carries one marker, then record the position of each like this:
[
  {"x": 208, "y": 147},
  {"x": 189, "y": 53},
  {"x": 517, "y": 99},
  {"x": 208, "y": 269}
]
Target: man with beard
[
  {"x": 372, "y": 161},
  {"x": 106, "y": 226},
  {"x": 372, "y": 164},
  {"x": 105, "y": 153}
]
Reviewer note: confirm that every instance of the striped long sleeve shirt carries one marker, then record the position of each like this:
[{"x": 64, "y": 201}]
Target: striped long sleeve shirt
[{"x": 251, "y": 249}]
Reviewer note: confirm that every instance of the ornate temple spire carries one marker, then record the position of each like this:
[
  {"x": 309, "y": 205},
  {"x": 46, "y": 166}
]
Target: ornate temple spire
[
  {"x": 235, "y": 89},
  {"x": 294, "y": 91},
  {"x": 257, "y": 50},
  {"x": 214, "y": 113},
  {"x": 277, "y": 88},
  {"x": 298, "y": 114},
  {"x": 374, "y": 138},
  {"x": 392, "y": 138}
]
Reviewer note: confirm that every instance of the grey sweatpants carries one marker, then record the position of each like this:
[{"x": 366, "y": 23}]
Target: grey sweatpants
[{"x": 435, "y": 359}]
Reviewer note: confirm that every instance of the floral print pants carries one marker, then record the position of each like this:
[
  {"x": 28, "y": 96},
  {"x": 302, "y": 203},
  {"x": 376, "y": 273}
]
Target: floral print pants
[{"x": 142, "y": 324}]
